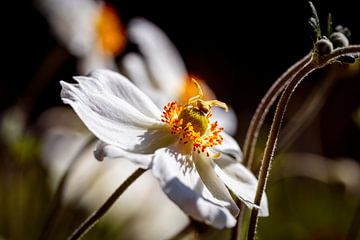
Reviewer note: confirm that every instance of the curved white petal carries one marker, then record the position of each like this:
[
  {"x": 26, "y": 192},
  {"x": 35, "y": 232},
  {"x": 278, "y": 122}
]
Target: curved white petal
[
  {"x": 229, "y": 147},
  {"x": 104, "y": 150},
  {"x": 183, "y": 186},
  {"x": 114, "y": 120},
  {"x": 206, "y": 169},
  {"x": 227, "y": 120},
  {"x": 73, "y": 22},
  {"x": 116, "y": 84},
  {"x": 242, "y": 182},
  {"x": 164, "y": 61}
]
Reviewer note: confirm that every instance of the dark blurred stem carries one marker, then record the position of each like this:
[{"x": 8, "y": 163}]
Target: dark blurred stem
[
  {"x": 266, "y": 102},
  {"x": 234, "y": 230},
  {"x": 308, "y": 111},
  {"x": 354, "y": 231},
  {"x": 315, "y": 63},
  {"x": 58, "y": 196},
  {"x": 95, "y": 216},
  {"x": 48, "y": 67}
]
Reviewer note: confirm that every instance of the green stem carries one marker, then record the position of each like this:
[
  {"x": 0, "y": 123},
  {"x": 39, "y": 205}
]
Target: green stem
[
  {"x": 58, "y": 196},
  {"x": 235, "y": 230},
  {"x": 315, "y": 63},
  {"x": 95, "y": 216},
  {"x": 354, "y": 230},
  {"x": 263, "y": 108}
]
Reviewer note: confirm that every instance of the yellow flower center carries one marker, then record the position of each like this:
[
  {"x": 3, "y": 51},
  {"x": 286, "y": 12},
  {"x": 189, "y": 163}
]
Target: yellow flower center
[
  {"x": 190, "y": 122},
  {"x": 110, "y": 32},
  {"x": 197, "y": 119}
]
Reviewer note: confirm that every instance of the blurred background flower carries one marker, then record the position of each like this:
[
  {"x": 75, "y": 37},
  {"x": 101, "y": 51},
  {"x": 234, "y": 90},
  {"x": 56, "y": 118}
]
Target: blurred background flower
[{"x": 239, "y": 52}]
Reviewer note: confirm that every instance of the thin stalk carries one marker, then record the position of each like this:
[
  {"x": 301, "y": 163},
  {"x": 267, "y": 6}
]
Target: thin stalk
[
  {"x": 354, "y": 230},
  {"x": 240, "y": 231},
  {"x": 263, "y": 108},
  {"x": 58, "y": 196},
  {"x": 271, "y": 143},
  {"x": 315, "y": 63},
  {"x": 47, "y": 69},
  {"x": 308, "y": 111},
  {"x": 234, "y": 230},
  {"x": 95, "y": 216}
]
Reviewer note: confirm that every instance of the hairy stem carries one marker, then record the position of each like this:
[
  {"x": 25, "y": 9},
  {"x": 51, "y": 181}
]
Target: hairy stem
[
  {"x": 308, "y": 111},
  {"x": 95, "y": 216},
  {"x": 263, "y": 108},
  {"x": 315, "y": 63}
]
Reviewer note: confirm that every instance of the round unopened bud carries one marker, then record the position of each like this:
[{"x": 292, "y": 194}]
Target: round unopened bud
[
  {"x": 339, "y": 39},
  {"x": 343, "y": 30},
  {"x": 323, "y": 46}
]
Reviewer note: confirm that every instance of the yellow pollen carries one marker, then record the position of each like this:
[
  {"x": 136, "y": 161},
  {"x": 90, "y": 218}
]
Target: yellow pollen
[
  {"x": 190, "y": 122},
  {"x": 110, "y": 32}
]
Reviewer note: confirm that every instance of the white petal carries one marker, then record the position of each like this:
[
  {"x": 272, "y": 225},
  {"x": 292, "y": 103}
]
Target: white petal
[
  {"x": 59, "y": 146},
  {"x": 136, "y": 69},
  {"x": 229, "y": 147},
  {"x": 242, "y": 182},
  {"x": 164, "y": 61},
  {"x": 73, "y": 22},
  {"x": 227, "y": 120},
  {"x": 205, "y": 167},
  {"x": 110, "y": 151},
  {"x": 96, "y": 59},
  {"x": 115, "y": 121},
  {"x": 182, "y": 185},
  {"x": 118, "y": 85}
]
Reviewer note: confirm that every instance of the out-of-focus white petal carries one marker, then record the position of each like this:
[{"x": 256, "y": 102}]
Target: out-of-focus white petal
[
  {"x": 229, "y": 147},
  {"x": 55, "y": 143},
  {"x": 164, "y": 61},
  {"x": 182, "y": 185},
  {"x": 73, "y": 21},
  {"x": 110, "y": 151},
  {"x": 227, "y": 120},
  {"x": 206, "y": 169},
  {"x": 242, "y": 182},
  {"x": 136, "y": 69},
  {"x": 96, "y": 59},
  {"x": 112, "y": 119},
  {"x": 143, "y": 210}
]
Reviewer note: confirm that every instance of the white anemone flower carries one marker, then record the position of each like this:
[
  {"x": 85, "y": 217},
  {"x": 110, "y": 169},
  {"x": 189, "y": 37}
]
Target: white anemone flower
[
  {"x": 195, "y": 162},
  {"x": 90, "y": 30},
  {"x": 161, "y": 73}
]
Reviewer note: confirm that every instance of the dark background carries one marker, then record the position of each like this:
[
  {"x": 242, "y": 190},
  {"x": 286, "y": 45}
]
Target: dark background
[{"x": 239, "y": 48}]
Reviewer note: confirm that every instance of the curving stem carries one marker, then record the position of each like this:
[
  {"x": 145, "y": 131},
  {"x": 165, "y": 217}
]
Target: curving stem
[{"x": 315, "y": 63}]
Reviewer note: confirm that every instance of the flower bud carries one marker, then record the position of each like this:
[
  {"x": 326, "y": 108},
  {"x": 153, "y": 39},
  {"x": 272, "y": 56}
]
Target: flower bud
[
  {"x": 338, "y": 39},
  {"x": 323, "y": 46}
]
